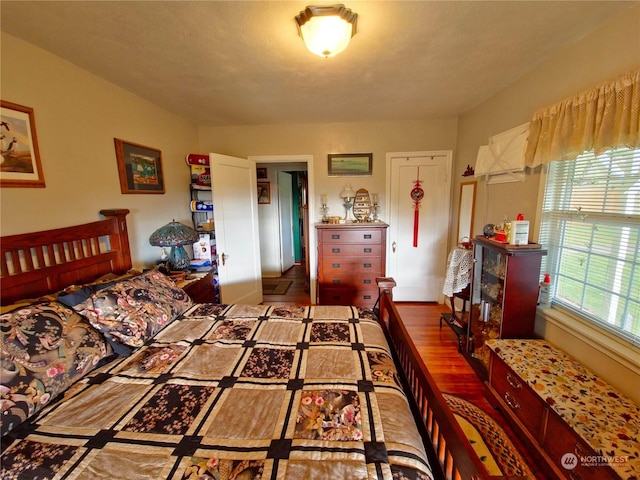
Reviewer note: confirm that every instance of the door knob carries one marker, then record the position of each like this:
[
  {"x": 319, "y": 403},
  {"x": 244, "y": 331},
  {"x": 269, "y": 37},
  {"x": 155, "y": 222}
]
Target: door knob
[
  {"x": 224, "y": 258},
  {"x": 393, "y": 246}
]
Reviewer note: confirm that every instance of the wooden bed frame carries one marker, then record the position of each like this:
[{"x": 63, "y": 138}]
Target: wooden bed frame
[{"x": 41, "y": 263}]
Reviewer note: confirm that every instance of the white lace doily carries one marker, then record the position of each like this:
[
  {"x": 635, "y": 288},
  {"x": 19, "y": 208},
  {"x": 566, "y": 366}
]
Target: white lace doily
[{"x": 458, "y": 271}]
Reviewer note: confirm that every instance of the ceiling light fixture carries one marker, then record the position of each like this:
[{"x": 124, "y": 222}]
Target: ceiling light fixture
[{"x": 326, "y": 30}]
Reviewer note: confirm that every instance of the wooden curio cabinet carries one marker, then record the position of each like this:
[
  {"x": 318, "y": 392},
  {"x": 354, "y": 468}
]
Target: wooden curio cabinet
[{"x": 504, "y": 293}]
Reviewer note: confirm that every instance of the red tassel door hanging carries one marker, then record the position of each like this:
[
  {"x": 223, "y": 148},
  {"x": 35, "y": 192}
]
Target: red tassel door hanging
[{"x": 417, "y": 193}]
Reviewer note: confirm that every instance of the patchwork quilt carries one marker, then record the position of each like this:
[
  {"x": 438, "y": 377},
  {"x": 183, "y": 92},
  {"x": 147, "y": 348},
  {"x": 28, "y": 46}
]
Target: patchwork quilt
[{"x": 233, "y": 392}]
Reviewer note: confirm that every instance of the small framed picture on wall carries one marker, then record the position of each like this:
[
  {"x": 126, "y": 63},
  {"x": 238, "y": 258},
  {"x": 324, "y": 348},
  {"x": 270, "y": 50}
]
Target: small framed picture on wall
[{"x": 264, "y": 192}]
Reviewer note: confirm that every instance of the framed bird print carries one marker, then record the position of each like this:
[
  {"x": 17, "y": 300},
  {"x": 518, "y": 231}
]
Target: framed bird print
[{"x": 21, "y": 166}]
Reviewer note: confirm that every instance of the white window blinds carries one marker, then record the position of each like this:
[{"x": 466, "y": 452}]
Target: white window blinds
[{"x": 591, "y": 228}]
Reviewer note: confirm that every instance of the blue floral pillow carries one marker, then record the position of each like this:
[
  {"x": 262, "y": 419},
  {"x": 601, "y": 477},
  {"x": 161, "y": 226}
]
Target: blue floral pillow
[
  {"x": 45, "y": 348},
  {"x": 133, "y": 310}
]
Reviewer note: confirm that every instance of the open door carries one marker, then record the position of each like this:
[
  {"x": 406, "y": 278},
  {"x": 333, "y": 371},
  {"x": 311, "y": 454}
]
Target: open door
[{"x": 235, "y": 212}]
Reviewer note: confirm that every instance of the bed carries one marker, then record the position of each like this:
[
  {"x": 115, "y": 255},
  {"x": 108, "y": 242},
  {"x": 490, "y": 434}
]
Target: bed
[{"x": 130, "y": 378}]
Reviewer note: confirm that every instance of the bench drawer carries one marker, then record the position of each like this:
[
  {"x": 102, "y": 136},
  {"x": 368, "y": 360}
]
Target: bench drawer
[
  {"x": 569, "y": 452},
  {"x": 523, "y": 402}
]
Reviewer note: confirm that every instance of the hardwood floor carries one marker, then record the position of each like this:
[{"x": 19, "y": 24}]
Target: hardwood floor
[{"x": 296, "y": 293}]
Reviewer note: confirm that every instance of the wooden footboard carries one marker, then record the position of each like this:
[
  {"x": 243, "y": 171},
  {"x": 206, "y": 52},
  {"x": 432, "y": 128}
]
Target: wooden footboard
[{"x": 451, "y": 447}]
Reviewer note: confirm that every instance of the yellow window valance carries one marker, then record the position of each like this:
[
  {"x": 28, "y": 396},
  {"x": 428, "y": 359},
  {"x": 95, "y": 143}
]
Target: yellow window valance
[{"x": 599, "y": 119}]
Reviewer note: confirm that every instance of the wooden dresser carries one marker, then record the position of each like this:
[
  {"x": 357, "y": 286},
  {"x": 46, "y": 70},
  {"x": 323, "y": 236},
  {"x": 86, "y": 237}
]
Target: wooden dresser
[{"x": 350, "y": 257}]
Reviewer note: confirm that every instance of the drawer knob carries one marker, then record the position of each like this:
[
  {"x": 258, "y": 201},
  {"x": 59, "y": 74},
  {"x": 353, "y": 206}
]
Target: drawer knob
[
  {"x": 513, "y": 382},
  {"x": 368, "y": 236},
  {"x": 367, "y": 250},
  {"x": 367, "y": 281},
  {"x": 335, "y": 280},
  {"x": 367, "y": 265},
  {"x": 512, "y": 402},
  {"x": 335, "y": 237},
  {"x": 367, "y": 297},
  {"x": 335, "y": 265},
  {"x": 335, "y": 250}
]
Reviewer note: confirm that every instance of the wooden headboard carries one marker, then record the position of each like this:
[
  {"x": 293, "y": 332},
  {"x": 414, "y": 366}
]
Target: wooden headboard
[{"x": 39, "y": 263}]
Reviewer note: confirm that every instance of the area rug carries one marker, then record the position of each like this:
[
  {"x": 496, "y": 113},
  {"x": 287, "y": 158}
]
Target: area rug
[
  {"x": 488, "y": 439},
  {"x": 275, "y": 286}
]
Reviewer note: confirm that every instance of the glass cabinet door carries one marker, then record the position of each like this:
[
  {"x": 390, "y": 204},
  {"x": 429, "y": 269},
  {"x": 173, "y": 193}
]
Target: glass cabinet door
[
  {"x": 488, "y": 299},
  {"x": 504, "y": 293}
]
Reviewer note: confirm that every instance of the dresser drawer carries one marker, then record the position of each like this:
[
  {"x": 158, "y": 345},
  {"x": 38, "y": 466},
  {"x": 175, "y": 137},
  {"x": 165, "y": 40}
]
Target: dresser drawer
[
  {"x": 358, "y": 281},
  {"x": 356, "y": 235},
  {"x": 337, "y": 250},
  {"x": 513, "y": 391},
  {"x": 571, "y": 454},
  {"x": 350, "y": 265},
  {"x": 349, "y": 296}
]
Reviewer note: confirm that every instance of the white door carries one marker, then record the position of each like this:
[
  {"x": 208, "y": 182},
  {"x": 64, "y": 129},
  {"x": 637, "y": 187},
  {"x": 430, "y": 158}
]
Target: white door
[
  {"x": 235, "y": 212},
  {"x": 285, "y": 199},
  {"x": 418, "y": 269}
]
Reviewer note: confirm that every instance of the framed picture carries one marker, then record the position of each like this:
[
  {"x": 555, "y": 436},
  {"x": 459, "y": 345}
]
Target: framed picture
[
  {"x": 350, "y": 164},
  {"x": 139, "y": 168},
  {"x": 264, "y": 192},
  {"x": 20, "y": 165},
  {"x": 262, "y": 172}
]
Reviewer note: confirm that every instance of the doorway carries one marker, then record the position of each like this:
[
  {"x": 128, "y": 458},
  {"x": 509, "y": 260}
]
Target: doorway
[{"x": 284, "y": 222}]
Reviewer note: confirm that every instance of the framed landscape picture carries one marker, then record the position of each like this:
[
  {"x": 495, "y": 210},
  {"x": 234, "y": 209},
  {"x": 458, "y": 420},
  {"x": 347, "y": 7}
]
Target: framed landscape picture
[
  {"x": 21, "y": 166},
  {"x": 350, "y": 164},
  {"x": 139, "y": 168}
]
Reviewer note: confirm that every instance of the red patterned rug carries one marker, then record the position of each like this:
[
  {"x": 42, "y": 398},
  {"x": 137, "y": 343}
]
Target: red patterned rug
[{"x": 488, "y": 439}]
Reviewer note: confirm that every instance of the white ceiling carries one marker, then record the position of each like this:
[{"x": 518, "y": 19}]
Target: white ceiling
[{"x": 222, "y": 63}]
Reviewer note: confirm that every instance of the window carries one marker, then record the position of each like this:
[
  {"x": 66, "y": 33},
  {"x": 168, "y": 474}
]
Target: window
[{"x": 590, "y": 225}]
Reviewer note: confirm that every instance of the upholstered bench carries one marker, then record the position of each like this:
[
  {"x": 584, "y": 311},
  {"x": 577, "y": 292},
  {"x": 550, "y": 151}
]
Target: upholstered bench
[{"x": 580, "y": 425}]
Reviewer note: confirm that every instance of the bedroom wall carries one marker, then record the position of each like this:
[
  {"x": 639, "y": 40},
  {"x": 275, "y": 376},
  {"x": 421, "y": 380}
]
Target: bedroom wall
[
  {"x": 606, "y": 53},
  {"x": 77, "y": 117},
  {"x": 321, "y": 139}
]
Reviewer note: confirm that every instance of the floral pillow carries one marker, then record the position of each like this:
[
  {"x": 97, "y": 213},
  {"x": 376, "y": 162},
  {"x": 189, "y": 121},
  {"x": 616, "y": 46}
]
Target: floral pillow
[
  {"x": 133, "y": 310},
  {"x": 45, "y": 348}
]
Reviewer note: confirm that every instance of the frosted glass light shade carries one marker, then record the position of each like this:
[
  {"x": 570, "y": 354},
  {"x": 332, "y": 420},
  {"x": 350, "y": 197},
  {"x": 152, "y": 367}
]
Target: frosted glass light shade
[
  {"x": 347, "y": 192},
  {"x": 326, "y": 30}
]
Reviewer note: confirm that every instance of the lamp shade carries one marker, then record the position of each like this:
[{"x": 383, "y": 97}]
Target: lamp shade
[
  {"x": 347, "y": 192},
  {"x": 173, "y": 234},
  {"x": 326, "y": 30}
]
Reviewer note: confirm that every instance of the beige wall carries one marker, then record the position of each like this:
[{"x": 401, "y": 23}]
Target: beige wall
[
  {"x": 606, "y": 53},
  {"x": 319, "y": 140},
  {"x": 77, "y": 117}
]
